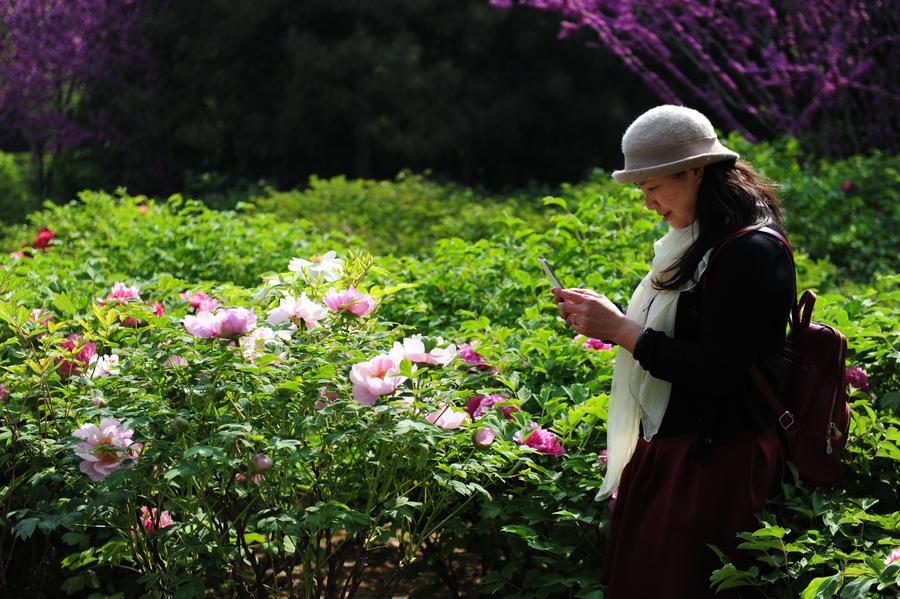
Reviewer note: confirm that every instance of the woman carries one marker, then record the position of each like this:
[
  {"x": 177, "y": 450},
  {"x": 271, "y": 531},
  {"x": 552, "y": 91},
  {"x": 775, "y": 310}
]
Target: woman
[{"x": 692, "y": 449}]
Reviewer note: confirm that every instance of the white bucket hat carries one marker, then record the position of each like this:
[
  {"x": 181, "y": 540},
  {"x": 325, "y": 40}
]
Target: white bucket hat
[{"x": 666, "y": 140}]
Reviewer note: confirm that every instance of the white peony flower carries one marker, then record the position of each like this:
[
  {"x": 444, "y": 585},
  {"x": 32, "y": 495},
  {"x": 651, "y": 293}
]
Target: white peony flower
[{"x": 326, "y": 267}]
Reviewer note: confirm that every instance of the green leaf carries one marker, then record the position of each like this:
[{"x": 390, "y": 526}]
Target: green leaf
[
  {"x": 554, "y": 201},
  {"x": 64, "y": 303},
  {"x": 858, "y": 589},
  {"x": 822, "y": 587},
  {"x": 25, "y": 528}
]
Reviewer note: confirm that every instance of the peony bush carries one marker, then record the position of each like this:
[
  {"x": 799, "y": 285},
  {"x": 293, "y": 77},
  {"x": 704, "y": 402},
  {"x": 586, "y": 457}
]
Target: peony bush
[{"x": 227, "y": 403}]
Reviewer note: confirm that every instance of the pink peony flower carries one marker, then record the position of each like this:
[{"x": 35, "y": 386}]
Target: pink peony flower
[
  {"x": 82, "y": 358},
  {"x": 98, "y": 401},
  {"x": 39, "y": 317},
  {"x": 262, "y": 462},
  {"x": 235, "y": 321},
  {"x": 595, "y": 344},
  {"x": 298, "y": 310},
  {"x": 477, "y": 405},
  {"x": 377, "y": 377},
  {"x": 200, "y": 302},
  {"x": 203, "y": 325},
  {"x": 327, "y": 397},
  {"x": 858, "y": 378},
  {"x": 413, "y": 349},
  {"x": 350, "y": 300},
  {"x": 159, "y": 309},
  {"x": 175, "y": 360},
  {"x": 446, "y": 417},
  {"x": 893, "y": 557},
  {"x": 847, "y": 185},
  {"x": 541, "y": 440},
  {"x": 485, "y": 436},
  {"x": 104, "y": 448},
  {"x": 151, "y": 522},
  {"x": 121, "y": 294}
]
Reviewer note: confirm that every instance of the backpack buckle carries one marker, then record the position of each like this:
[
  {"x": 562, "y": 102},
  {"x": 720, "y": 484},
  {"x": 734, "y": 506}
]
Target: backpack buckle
[{"x": 786, "y": 420}]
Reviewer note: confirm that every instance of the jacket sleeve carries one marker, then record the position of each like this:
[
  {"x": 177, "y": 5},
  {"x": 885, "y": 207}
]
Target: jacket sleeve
[{"x": 742, "y": 316}]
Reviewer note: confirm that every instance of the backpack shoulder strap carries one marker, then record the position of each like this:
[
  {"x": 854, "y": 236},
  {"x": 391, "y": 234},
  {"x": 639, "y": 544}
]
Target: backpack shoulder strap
[
  {"x": 785, "y": 417},
  {"x": 744, "y": 231}
]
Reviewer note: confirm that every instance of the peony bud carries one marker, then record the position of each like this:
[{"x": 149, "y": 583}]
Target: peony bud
[
  {"x": 179, "y": 425},
  {"x": 262, "y": 462},
  {"x": 485, "y": 436}
]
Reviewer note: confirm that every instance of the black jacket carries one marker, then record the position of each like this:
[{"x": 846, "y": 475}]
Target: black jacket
[{"x": 738, "y": 318}]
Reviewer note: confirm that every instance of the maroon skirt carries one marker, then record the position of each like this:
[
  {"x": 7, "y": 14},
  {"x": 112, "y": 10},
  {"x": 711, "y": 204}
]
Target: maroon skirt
[{"x": 678, "y": 494}]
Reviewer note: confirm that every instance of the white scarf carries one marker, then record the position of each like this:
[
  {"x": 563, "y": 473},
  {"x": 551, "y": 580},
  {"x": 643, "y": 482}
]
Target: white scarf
[{"x": 637, "y": 397}]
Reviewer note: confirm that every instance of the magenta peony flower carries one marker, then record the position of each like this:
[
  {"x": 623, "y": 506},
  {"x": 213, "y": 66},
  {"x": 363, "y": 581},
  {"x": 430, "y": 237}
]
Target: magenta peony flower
[
  {"x": 203, "y": 325},
  {"x": 350, "y": 300},
  {"x": 82, "y": 358},
  {"x": 235, "y": 321},
  {"x": 413, "y": 349},
  {"x": 262, "y": 462},
  {"x": 377, "y": 377},
  {"x": 541, "y": 440},
  {"x": 159, "y": 309},
  {"x": 613, "y": 499},
  {"x": 151, "y": 522},
  {"x": 485, "y": 436},
  {"x": 446, "y": 417},
  {"x": 602, "y": 457},
  {"x": 104, "y": 447},
  {"x": 298, "y": 310},
  {"x": 255, "y": 479},
  {"x": 858, "y": 378},
  {"x": 121, "y": 294},
  {"x": 893, "y": 557},
  {"x": 847, "y": 185},
  {"x": 42, "y": 241},
  {"x": 477, "y": 405},
  {"x": 470, "y": 356},
  {"x": 596, "y": 344}
]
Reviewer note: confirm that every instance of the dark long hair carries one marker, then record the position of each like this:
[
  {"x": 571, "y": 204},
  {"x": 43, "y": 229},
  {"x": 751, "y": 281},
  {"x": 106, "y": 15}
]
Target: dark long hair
[{"x": 731, "y": 195}]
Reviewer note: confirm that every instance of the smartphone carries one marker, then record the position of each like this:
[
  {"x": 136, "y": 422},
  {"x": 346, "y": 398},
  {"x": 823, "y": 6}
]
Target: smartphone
[{"x": 548, "y": 270}]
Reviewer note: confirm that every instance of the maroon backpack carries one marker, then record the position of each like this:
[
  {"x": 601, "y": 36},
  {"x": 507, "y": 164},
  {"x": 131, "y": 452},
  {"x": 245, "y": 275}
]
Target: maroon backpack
[{"x": 814, "y": 415}]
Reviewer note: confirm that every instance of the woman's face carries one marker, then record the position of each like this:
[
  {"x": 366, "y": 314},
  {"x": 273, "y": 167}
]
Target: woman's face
[{"x": 673, "y": 197}]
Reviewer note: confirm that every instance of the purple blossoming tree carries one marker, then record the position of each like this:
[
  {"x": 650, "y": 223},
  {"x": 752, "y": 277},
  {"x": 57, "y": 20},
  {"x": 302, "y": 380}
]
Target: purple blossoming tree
[
  {"x": 51, "y": 52},
  {"x": 825, "y": 71}
]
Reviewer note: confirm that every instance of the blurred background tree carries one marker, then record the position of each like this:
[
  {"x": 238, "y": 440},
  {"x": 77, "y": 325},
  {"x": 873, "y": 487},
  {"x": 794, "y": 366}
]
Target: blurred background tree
[
  {"x": 824, "y": 71},
  {"x": 52, "y": 53}
]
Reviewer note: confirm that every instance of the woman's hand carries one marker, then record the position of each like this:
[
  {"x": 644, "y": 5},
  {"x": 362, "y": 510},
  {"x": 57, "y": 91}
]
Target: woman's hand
[{"x": 591, "y": 314}]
